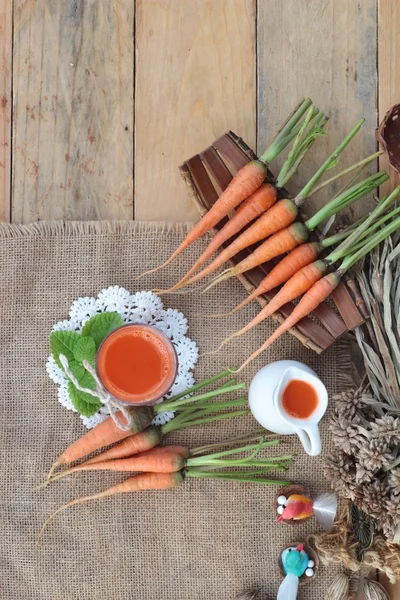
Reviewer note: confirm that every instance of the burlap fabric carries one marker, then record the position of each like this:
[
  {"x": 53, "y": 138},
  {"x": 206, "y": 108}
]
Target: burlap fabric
[{"x": 204, "y": 540}]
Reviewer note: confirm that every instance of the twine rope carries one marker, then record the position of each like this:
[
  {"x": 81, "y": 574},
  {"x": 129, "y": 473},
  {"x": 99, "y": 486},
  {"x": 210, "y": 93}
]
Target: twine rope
[{"x": 115, "y": 406}]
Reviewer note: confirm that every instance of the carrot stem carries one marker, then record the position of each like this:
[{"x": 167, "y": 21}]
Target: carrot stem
[
  {"x": 371, "y": 229},
  {"x": 167, "y": 406},
  {"x": 187, "y": 416},
  {"x": 301, "y": 145},
  {"x": 361, "y": 164},
  {"x": 239, "y": 439},
  {"x": 237, "y": 474},
  {"x": 231, "y": 477},
  {"x": 200, "y": 385},
  {"x": 255, "y": 447},
  {"x": 220, "y": 462},
  {"x": 349, "y": 261},
  {"x": 346, "y": 199},
  {"x": 203, "y": 410},
  {"x": 168, "y": 427},
  {"x": 354, "y": 238},
  {"x": 284, "y": 135},
  {"x": 330, "y": 162},
  {"x": 332, "y": 240}
]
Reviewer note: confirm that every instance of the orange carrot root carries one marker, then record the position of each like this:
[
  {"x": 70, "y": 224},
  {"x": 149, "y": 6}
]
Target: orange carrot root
[
  {"x": 281, "y": 242},
  {"x": 282, "y": 272},
  {"x": 104, "y": 434},
  {"x": 168, "y": 459},
  {"x": 144, "y": 481},
  {"x": 246, "y": 181},
  {"x": 279, "y": 216},
  {"x": 134, "y": 444},
  {"x": 251, "y": 208},
  {"x": 319, "y": 292},
  {"x": 297, "y": 285}
]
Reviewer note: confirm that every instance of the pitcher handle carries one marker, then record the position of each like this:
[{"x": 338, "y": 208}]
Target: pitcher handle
[{"x": 310, "y": 438}]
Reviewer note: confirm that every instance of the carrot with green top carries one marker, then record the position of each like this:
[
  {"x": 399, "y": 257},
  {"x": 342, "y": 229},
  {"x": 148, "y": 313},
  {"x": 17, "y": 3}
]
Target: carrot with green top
[
  {"x": 263, "y": 198},
  {"x": 291, "y": 264},
  {"x": 195, "y": 463},
  {"x": 246, "y": 181},
  {"x": 306, "y": 277},
  {"x": 108, "y": 433},
  {"x": 170, "y": 459},
  {"x": 280, "y": 216},
  {"x": 255, "y": 205},
  {"x": 297, "y": 233},
  {"x": 322, "y": 288},
  {"x": 162, "y": 481}
]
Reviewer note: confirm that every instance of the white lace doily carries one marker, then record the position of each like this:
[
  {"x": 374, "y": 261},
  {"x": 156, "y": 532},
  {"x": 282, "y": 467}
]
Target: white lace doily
[{"x": 142, "y": 307}]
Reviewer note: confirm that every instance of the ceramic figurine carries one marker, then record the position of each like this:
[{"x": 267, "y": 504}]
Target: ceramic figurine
[
  {"x": 295, "y": 563},
  {"x": 297, "y": 507}
]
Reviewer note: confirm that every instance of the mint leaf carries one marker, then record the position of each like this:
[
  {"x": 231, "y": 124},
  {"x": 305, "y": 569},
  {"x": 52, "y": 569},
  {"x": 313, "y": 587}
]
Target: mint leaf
[
  {"x": 85, "y": 349},
  {"x": 85, "y": 404},
  {"x": 99, "y": 326},
  {"x": 83, "y": 376},
  {"x": 63, "y": 342}
]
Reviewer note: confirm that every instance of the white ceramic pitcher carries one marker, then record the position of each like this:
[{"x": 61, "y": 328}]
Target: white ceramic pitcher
[{"x": 265, "y": 400}]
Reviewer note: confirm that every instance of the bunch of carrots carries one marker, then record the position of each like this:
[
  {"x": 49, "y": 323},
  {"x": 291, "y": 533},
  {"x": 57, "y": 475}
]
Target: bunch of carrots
[
  {"x": 138, "y": 451},
  {"x": 301, "y": 271}
]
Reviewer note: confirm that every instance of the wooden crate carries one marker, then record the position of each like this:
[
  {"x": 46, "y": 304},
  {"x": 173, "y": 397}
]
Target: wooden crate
[{"x": 207, "y": 174}]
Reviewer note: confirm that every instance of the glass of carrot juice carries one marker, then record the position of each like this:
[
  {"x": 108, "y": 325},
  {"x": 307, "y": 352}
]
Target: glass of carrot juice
[{"x": 137, "y": 364}]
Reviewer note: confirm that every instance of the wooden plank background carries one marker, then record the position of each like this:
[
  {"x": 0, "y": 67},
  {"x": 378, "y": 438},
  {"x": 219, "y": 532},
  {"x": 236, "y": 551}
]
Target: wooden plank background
[
  {"x": 73, "y": 69},
  {"x": 329, "y": 54},
  {"x": 108, "y": 97},
  {"x": 100, "y": 100},
  {"x": 6, "y": 34}
]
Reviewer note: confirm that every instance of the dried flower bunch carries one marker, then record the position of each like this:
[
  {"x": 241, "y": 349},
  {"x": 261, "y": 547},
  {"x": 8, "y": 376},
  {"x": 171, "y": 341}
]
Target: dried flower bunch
[
  {"x": 341, "y": 546},
  {"x": 365, "y": 425},
  {"x": 364, "y": 466}
]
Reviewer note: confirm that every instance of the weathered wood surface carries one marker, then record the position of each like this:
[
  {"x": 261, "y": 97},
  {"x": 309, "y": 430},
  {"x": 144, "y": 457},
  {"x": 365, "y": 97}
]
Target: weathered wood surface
[
  {"x": 73, "y": 110},
  {"x": 195, "y": 78},
  {"x": 388, "y": 67},
  {"x": 324, "y": 49},
  {"x": 5, "y": 109}
]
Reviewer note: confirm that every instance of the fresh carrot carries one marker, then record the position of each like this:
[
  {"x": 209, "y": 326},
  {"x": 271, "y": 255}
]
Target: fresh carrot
[
  {"x": 308, "y": 275},
  {"x": 157, "y": 460},
  {"x": 134, "y": 444},
  {"x": 104, "y": 434},
  {"x": 297, "y": 285},
  {"x": 322, "y": 289},
  {"x": 161, "y": 481},
  {"x": 174, "y": 458},
  {"x": 297, "y": 233},
  {"x": 261, "y": 200},
  {"x": 290, "y": 264},
  {"x": 281, "y": 215},
  {"x": 282, "y": 272},
  {"x": 198, "y": 466},
  {"x": 107, "y": 432},
  {"x": 256, "y": 204},
  {"x": 245, "y": 182},
  {"x": 313, "y": 298}
]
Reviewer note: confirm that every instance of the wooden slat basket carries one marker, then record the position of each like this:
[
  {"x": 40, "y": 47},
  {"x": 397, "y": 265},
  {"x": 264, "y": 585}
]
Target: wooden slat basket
[{"x": 207, "y": 174}]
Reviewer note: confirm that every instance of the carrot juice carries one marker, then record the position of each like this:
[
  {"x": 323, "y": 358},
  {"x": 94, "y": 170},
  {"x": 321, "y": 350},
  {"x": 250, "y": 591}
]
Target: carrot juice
[
  {"x": 137, "y": 364},
  {"x": 300, "y": 399}
]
